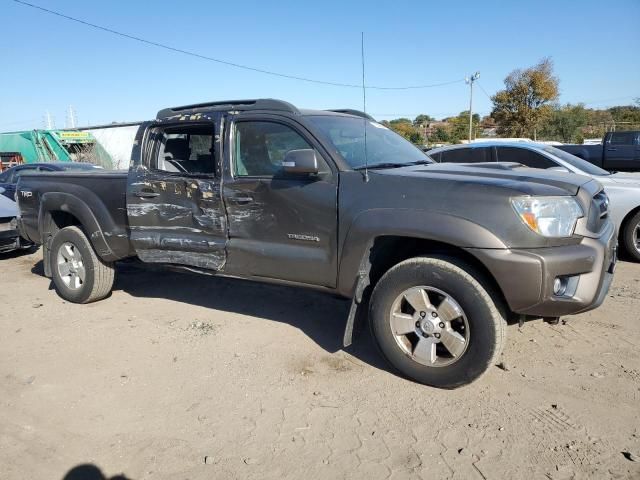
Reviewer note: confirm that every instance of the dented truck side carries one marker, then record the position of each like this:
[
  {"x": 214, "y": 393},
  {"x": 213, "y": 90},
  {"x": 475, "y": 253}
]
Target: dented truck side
[{"x": 435, "y": 255}]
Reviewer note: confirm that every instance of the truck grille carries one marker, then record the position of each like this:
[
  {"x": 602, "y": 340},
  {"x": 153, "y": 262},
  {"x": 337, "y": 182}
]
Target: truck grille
[{"x": 599, "y": 211}]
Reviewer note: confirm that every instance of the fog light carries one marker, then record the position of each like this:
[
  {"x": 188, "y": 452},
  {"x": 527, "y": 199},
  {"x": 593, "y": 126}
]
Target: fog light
[{"x": 559, "y": 286}]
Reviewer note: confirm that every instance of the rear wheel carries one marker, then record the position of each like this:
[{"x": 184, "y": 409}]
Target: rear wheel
[
  {"x": 78, "y": 274},
  {"x": 435, "y": 322},
  {"x": 631, "y": 237}
]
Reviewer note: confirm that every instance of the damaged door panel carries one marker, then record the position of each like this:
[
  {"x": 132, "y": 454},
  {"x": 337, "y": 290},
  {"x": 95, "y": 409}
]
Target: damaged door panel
[
  {"x": 174, "y": 203},
  {"x": 276, "y": 218}
]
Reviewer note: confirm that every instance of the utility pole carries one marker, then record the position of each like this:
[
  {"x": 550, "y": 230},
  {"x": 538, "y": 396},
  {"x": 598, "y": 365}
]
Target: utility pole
[
  {"x": 48, "y": 122},
  {"x": 71, "y": 119},
  {"x": 469, "y": 81}
]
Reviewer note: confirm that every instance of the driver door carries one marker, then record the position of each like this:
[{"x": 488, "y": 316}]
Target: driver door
[{"x": 281, "y": 226}]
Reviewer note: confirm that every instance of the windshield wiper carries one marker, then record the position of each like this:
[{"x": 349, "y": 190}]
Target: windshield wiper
[
  {"x": 382, "y": 165},
  {"x": 393, "y": 164},
  {"x": 421, "y": 162}
]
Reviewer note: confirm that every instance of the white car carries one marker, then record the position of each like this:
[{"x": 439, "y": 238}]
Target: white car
[{"x": 623, "y": 189}]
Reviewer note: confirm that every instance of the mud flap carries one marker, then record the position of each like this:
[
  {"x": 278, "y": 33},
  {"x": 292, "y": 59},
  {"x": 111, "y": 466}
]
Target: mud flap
[
  {"x": 46, "y": 257},
  {"x": 359, "y": 302}
]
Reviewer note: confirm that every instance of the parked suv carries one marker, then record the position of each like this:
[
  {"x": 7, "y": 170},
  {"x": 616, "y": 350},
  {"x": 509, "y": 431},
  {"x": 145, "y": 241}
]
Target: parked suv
[{"x": 436, "y": 256}]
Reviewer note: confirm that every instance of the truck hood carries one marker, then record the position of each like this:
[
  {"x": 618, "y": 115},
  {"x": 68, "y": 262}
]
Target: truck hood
[{"x": 528, "y": 181}]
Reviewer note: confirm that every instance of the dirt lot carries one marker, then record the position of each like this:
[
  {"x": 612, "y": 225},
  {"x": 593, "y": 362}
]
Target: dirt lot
[{"x": 182, "y": 376}]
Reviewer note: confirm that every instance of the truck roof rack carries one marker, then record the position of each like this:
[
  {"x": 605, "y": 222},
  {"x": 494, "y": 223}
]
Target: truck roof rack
[
  {"x": 256, "y": 104},
  {"x": 357, "y": 113}
]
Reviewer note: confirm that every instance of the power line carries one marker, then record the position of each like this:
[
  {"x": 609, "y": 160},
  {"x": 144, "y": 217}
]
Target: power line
[
  {"x": 484, "y": 91},
  {"x": 225, "y": 62}
]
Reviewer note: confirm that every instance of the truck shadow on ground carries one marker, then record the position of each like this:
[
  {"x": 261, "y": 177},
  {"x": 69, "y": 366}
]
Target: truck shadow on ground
[{"x": 320, "y": 316}]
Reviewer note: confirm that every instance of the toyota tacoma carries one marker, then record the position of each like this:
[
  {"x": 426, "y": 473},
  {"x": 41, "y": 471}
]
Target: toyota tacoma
[{"x": 436, "y": 257}]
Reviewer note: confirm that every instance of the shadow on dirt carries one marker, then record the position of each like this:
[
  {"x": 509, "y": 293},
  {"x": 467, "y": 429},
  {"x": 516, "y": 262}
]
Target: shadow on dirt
[
  {"x": 320, "y": 316},
  {"x": 89, "y": 471}
]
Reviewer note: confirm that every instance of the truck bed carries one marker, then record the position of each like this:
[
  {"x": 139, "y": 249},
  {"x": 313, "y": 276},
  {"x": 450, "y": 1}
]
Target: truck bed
[{"x": 103, "y": 192}]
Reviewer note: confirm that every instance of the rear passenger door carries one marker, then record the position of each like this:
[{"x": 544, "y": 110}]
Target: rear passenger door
[
  {"x": 174, "y": 203},
  {"x": 622, "y": 150}
]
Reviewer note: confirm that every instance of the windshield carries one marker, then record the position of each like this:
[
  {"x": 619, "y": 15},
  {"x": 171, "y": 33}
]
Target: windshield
[
  {"x": 384, "y": 147},
  {"x": 576, "y": 162}
]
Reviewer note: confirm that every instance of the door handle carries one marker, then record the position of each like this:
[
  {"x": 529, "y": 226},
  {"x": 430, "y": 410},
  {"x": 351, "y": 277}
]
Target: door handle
[
  {"x": 145, "y": 194},
  {"x": 611, "y": 149},
  {"x": 241, "y": 200}
]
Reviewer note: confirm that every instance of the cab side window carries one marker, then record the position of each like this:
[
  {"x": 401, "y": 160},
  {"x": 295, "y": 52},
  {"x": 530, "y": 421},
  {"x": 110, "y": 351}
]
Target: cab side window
[
  {"x": 622, "y": 138},
  {"x": 524, "y": 156},
  {"x": 260, "y": 147}
]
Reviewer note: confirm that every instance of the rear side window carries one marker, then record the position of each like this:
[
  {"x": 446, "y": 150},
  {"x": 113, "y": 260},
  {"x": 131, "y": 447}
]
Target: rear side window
[
  {"x": 622, "y": 138},
  {"x": 480, "y": 154},
  {"x": 456, "y": 155},
  {"x": 185, "y": 149},
  {"x": 524, "y": 156}
]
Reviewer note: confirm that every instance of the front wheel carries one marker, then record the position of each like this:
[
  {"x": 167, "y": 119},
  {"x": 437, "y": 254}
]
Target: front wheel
[
  {"x": 631, "y": 237},
  {"x": 78, "y": 274},
  {"x": 435, "y": 322}
]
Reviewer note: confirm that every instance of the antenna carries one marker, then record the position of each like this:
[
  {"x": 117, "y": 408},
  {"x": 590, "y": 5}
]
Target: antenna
[{"x": 364, "y": 109}]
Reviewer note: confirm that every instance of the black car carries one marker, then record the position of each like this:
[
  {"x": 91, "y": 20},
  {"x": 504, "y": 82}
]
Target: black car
[{"x": 9, "y": 178}]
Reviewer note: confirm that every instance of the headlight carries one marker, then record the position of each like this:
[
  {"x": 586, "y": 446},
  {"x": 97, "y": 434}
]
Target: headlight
[{"x": 548, "y": 216}]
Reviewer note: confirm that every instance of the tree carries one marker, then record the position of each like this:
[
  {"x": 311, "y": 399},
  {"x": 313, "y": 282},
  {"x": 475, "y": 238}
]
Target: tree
[
  {"x": 440, "y": 135},
  {"x": 526, "y": 100},
  {"x": 422, "y": 119},
  {"x": 459, "y": 126},
  {"x": 625, "y": 117},
  {"x": 405, "y": 127},
  {"x": 566, "y": 123}
]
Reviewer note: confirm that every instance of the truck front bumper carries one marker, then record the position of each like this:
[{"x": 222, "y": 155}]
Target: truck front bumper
[{"x": 526, "y": 277}]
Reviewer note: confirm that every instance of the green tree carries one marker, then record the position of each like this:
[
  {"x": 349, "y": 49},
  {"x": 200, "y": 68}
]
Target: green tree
[
  {"x": 459, "y": 126},
  {"x": 422, "y": 119},
  {"x": 405, "y": 127},
  {"x": 566, "y": 123},
  {"x": 625, "y": 117},
  {"x": 526, "y": 101},
  {"x": 440, "y": 135}
]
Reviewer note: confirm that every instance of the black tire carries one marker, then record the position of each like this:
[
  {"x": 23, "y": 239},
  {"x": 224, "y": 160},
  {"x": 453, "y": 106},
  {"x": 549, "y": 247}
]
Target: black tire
[
  {"x": 628, "y": 242},
  {"x": 486, "y": 325},
  {"x": 98, "y": 274}
]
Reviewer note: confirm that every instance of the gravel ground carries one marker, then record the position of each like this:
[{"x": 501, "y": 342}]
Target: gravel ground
[{"x": 179, "y": 376}]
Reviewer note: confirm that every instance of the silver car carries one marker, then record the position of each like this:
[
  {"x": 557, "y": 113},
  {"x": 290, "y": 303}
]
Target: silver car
[
  {"x": 623, "y": 189},
  {"x": 9, "y": 237}
]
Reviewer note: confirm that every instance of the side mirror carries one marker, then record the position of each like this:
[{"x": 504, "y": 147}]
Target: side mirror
[
  {"x": 559, "y": 169},
  {"x": 2, "y": 190},
  {"x": 300, "y": 161}
]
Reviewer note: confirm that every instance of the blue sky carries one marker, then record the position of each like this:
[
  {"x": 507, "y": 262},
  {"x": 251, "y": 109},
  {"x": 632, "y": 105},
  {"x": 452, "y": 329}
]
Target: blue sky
[{"x": 50, "y": 63}]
